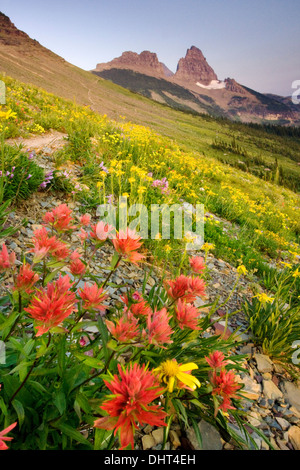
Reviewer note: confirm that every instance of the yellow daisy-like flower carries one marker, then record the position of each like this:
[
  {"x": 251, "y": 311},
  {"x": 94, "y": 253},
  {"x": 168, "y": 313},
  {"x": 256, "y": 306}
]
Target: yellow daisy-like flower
[
  {"x": 208, "y": 246},
  {"x": 241, "y": 270},
  {"x": 264, "y": 298},
  {"x": 296, "y": 273},
  {"x": 170, "y": 372}
]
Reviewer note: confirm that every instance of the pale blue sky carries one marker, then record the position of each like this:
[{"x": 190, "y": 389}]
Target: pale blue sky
[{"x": 257, "y": 42}]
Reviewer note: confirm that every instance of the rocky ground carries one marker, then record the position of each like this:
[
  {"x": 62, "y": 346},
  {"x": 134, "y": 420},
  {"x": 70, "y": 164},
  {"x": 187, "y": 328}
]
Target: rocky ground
[{"x": 273, "y": 399}]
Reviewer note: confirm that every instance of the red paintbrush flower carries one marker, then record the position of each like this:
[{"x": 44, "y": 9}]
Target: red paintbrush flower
[
  {"x": 130, "y": 405},
  {"x": 50, "y": 306},
  {"x": 216, "y": 360},
  {"x": 197, "y": 264},
  {"x": 101, "y": 231},
  {"x": 44, "y": 244},
  {"x": 26, "y": 279},
  {"x": 60, "y": 218},
  {"x": 196, "y": 288},
  {"x": 177, "y": 287},
  {"x": 93, "y": 297},
  {"x": 83, "y": 235},
  {"x": 187, "y": 288},
  {"x": 77, "y": 267},
  {"x": 187, "y": 315},
  {"x": 127, "y": 244},
  {"x": 6, "y": 260},
  {"x": 3, "y": 438},
  {"x": 141, "y": 308},
  {"x": 159, "y": 330},
  {"x": 85, "y": 220},
  {"x": 225, "y": 386},
  {"x": 126, "y": 329}
]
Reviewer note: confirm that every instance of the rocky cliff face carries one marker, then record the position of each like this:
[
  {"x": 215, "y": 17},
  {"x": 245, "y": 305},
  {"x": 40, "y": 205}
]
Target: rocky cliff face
[
  {"x": 234, "y": 87},
  {"x": 146, "y": 62},
  {"x": 194, "y": 68},
  {"x": 10, "y": 35}
]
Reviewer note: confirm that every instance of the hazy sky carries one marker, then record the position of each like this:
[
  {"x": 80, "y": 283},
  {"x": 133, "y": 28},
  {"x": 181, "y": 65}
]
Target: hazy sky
[{"x": 257, "y": 42}]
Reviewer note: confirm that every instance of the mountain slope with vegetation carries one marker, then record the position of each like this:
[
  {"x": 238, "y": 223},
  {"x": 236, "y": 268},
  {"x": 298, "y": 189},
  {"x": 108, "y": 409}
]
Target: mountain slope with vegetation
[{"x": 83, "y": 309}]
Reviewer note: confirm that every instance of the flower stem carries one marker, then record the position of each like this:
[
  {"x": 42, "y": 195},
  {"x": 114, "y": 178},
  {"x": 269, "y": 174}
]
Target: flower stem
[
  {"x": 28, "y": 374},
  {"x": 111, "y": 272}
]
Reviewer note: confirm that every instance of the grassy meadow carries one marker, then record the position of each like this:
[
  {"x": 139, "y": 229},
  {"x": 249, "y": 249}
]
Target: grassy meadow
[{"x": 264, "y": 215}]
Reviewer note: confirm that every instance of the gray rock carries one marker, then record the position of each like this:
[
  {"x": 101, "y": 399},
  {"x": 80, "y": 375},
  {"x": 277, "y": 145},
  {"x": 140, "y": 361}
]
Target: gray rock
[
  {"x": 271, "y": 391},
  {"x": 158, "y": 435},
  {"x": 211, "y": 439},
  {"x": 263, "y": 363},
  {"x": 252, "y": 389},
  {"x": 291, "y": 394},
  {"x": 148, "y": 442},
  {"x": 283, "y": 423},
  {"x": 294, "y": 437}
]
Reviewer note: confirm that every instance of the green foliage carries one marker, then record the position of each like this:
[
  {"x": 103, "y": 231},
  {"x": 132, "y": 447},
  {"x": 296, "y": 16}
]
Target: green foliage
[
  {"x": 275, "y": 320},
  {"x": 26, "y": 179}
]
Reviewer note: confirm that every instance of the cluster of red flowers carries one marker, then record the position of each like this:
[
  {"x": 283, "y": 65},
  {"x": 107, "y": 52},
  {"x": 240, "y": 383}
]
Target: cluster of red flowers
[
  {"x": 130, "y": 403},
  {"x": 51, "y": 305},
  {"x": 183, "y": 291},
  {"x": 25, "y": 279},
  {"x": 223, "y": 381},
  {"x": 60, "y": 218},
  {"x": 127, "y": 244},
  {"x": 155, "y": 325},
  {"x": 45, "y": 244},
  {"x": 6, "y": 260},
  {"x": 185, "y": 288},
  {"x": 139, "y": 323}
]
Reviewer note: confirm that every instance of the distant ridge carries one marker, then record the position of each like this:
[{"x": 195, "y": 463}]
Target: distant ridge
[{"x": 194, "y": 87}]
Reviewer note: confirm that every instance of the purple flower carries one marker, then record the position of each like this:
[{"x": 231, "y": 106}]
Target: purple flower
[
  {"x": 103, "y": 168},
  {"x": 29, "y": 176}
]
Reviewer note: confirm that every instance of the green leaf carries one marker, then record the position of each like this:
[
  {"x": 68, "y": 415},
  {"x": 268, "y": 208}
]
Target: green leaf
[
  {"x": 114, "y": 260},
  {"x": 83, "y": 403},
  {"x": 197, "y": 432},
  {"x": 72, "y": 433},
  {"x": 60, "y": 402},
  {"x": 3, "y": 407},
  {"x": 61, "y": 356},
  {"x": 19, "y": 410},
  {"x": 180, "y": 410},
  {"x": 102, "y": 438},
  {"x": 104, "y": 337}
]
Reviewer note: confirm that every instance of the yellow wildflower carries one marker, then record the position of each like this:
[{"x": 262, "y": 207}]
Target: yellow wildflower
[
  {"x": 264, "y": 298},
  {"x": 241, "y": 270},
  {"x": 174, "y": 375}
]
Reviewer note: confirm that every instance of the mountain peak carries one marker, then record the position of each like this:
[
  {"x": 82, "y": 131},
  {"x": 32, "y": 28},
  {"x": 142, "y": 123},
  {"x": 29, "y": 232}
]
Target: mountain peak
[
  {"x": 194, "y": 67},
  {"x": 146, "y": 62}
]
